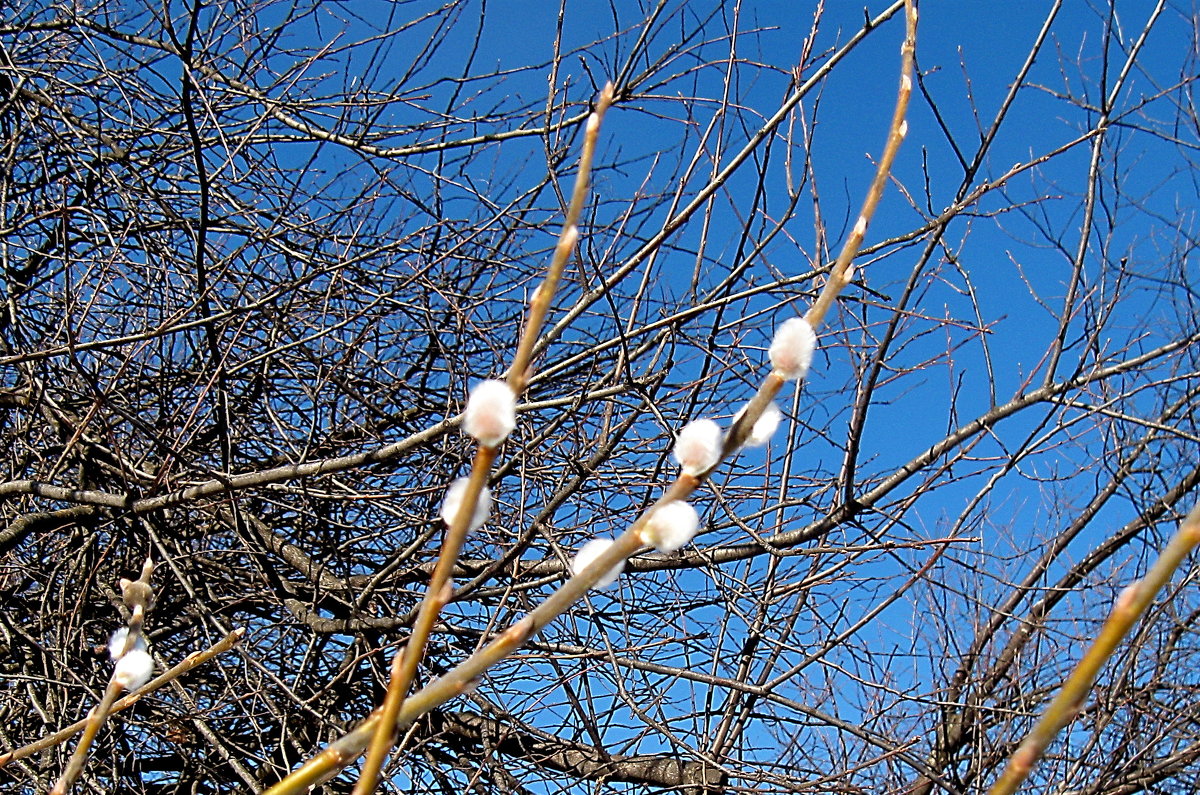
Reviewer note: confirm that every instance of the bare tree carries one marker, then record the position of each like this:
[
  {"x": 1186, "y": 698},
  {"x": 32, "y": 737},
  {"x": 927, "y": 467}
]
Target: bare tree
[{"x": 256, "y": 253}]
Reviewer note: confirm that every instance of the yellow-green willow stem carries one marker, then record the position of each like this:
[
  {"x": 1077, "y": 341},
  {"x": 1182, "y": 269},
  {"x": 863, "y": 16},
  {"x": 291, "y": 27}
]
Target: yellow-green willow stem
[
  {"x": 1128, "y": 609},
  {"x": 405, "y": 663}
]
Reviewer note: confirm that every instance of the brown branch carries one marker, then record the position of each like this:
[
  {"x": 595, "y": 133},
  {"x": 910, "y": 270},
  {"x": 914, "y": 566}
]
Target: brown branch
[{"x": 580, "y": 760}]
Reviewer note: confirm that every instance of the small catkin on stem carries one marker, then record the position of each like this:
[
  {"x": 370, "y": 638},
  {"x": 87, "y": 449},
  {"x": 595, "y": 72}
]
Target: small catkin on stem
[
  {"x": 698, "y": 447},
  {"x": 133, "y": 669},
  {"x": 452, "y": 502},
  {"x": 792, "y": 349},
  {"x": 764, "y": 427},
  {"x": 588, "y": 553},
  {"x": 491, "y": 413},
  {"x": 671, "y": 526}
]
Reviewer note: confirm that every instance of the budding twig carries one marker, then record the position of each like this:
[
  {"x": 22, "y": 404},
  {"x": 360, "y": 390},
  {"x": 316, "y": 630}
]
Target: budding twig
[
  {"x": 489, "y": 418},
  {"x": 843, "y": 269},
  {"x": 188, "y": 663},
  {"x": 132, "y": 669},
  {"x": 1127, "y": 610}
]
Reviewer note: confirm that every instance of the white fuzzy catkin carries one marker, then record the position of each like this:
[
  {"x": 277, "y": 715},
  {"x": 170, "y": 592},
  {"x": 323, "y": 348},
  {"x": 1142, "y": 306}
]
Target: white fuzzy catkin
[
  {"x": 671, "y": 526},
  {"x": 116, "y": 644},
  {"x": 491, "y": 412},
  {"x": 698, "y": 447},
  {"x": 134, "y": 669},
  {"x": 764, "y": 427},
  {"x": 588, "y": 553},
  {"x": 792, "y": 349},
  {"x": 453, "y": 501}
]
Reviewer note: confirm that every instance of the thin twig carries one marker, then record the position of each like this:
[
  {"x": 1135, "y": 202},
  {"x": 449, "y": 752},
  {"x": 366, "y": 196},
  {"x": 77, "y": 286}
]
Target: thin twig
[
  {"x": 842, "y": 271},
  {"x": 95, "y": 719}
]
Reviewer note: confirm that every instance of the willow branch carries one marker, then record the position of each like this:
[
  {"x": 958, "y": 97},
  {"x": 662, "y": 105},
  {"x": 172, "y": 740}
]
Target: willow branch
[
  {"x": 138, "y": 595},
  {"x": 193, "y": 660},
  {"x": 1130, "y": 606},
  {"x": 441, "y": 589}
]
